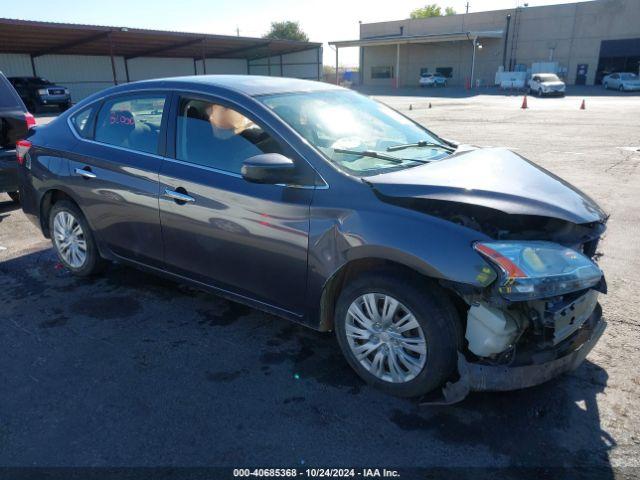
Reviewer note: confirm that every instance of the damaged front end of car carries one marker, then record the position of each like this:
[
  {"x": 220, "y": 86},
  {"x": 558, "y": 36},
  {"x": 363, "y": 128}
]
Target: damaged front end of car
[{"x": 539, "y": 316}]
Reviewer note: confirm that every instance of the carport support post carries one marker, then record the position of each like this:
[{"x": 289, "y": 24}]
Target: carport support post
[
  {"x": 113, "y": 62},
  {"x": 397, "y": 65},
  {"x": 473, "y": 60},
  {"x": 204, "y": 60},
  {"x": 33, "y": 66},
  {"x": 337, "y": 76}
]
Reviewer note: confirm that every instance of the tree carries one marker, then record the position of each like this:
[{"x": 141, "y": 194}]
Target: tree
[
  {"x": 286, "y": 30},
  {"x": 431, "y": 10}
]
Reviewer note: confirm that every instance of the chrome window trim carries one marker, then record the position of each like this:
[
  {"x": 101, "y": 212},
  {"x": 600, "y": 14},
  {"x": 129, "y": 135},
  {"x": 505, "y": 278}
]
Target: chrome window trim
[{"x": 168, "y": 91}]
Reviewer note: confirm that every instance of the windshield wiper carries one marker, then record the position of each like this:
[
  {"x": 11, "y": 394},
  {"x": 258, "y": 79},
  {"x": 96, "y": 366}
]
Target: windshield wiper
[
  {"x": 422, "y": 143},
  {"x": 380, "y": 155}
]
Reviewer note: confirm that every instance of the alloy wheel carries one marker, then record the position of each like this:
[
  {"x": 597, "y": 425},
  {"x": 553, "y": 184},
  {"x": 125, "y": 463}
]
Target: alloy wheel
[
  {"x": 69, "y": 239},
  {"x": 385, "y": 337}
]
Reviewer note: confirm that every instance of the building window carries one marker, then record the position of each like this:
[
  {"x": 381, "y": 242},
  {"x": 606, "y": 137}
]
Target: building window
[
  {"x": 446, "y": 72},
  {"x": 381, "y": 72}
]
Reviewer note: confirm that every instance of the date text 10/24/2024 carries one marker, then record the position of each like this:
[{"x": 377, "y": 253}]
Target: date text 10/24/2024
[{"x": 316, "y": 473}]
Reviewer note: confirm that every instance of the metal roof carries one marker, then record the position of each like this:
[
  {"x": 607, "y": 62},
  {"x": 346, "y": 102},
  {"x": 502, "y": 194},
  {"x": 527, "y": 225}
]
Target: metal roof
[
  {"x": 431, "y": 38},
  {"x": 43, "y": 38}
]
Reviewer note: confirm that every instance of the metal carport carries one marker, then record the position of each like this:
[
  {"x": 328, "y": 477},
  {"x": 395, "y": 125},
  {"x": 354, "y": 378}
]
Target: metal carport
[{"x": 37, "y": 39}]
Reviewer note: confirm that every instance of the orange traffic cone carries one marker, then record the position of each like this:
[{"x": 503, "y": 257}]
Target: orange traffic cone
[
  {"x": 583, "y": 106},
  {"x": 524, "y": 102}
]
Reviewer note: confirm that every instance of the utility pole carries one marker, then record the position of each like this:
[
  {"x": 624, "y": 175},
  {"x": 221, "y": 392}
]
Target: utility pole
[
  {"x": 467, "y": 8},
  {"x": 237, "y": 31}
]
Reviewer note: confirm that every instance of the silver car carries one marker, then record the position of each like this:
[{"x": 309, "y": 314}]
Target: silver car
[
  {"x": 625, "y": 82},
  {"x": 546, "y": 84}
]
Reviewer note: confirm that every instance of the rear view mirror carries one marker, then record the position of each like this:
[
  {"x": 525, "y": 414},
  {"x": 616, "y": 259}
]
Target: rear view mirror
[{"x": 269, "y": 168}]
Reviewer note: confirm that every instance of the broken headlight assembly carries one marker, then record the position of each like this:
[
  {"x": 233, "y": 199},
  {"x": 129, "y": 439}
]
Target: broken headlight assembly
[{"x": 536, "y": 269}]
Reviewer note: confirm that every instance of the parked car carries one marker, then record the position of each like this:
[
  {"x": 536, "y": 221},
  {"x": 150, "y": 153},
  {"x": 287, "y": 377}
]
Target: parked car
[
  {"x": 431, "y": 261},
  {"x": 15, "y": 122},
  {"x": 543, "y": 84},
  {"x": 433, "y": 80},
  {"x": 38, "y": 93},
  {"x": 625, "y": 82}
]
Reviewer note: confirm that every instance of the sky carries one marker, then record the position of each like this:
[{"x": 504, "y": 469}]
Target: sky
[{"x": 323, "y": 21}]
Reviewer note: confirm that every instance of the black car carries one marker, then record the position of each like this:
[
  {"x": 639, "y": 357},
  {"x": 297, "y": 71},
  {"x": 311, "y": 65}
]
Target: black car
[
  {"x": 434, "y": 263},
  {"x": 15, "y": 121},
  {"x": 38, "y": 93}
]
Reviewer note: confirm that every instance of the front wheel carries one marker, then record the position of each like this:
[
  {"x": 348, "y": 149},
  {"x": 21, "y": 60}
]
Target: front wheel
[
  {"x": 621, "y": 88},
  {"x": 606, "y": 86},
  {"x": 73, "y": 240},
  {"x": 399, "y": 334}
]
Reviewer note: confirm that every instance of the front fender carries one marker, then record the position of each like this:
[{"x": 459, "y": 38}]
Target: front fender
[{"x": 428, "y": 245}]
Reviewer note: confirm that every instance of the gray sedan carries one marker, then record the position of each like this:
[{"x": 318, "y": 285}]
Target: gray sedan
[{"x": 435, "y": 264}]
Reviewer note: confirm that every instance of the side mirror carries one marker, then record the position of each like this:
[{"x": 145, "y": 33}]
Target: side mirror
[{"x": 268, "y": 168}]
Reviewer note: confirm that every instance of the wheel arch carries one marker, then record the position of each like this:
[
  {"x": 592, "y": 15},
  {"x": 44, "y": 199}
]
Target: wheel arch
[
  {"x": 351, "y": 269},
  {"x": 49, "y": 199}
]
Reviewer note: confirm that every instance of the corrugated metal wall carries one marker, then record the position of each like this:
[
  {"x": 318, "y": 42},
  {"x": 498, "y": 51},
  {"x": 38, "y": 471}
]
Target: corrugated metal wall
[
  {"x": 306, "y": 64},
  {"x": 84, "y": 75}
]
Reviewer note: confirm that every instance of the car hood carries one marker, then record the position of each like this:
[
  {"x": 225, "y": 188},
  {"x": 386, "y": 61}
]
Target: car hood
[{"x": 495, "y": 178}]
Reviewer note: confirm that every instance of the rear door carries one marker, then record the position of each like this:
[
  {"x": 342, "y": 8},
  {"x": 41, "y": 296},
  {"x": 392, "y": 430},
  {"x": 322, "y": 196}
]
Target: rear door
[
  {"x": 245, "y": 238},
  {"x": 115, "y": 175}
]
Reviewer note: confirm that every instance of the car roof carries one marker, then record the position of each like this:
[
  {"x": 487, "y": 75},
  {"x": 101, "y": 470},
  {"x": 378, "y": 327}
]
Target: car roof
[{"x": 251, "y": 85}]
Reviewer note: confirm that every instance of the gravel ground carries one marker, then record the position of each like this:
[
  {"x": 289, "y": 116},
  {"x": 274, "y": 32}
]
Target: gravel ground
[{"x": 131, "y": 370}]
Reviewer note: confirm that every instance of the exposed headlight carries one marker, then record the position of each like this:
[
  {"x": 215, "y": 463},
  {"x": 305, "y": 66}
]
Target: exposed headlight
[
  {"x": 43, "y": 91},
  {"x": 536, "y": 269}
]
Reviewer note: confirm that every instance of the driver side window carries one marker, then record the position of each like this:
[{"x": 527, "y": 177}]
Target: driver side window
[{"x": 216, "y": 136}]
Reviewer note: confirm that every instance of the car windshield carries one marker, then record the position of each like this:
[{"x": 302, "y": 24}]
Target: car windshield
[
  {"x": 355, "y": 133},
  {"x": 38, "y": 81},
  {"x": 628, "y": 76},
  {"x": 549, "y": 78}
]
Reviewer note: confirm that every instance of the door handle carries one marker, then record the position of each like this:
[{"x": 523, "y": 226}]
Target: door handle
[
  {"x": 85, "y": 173},
  {"x": 179, "y": 197}
]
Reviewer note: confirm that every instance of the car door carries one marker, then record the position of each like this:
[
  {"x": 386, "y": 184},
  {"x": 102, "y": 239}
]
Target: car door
[
  {"x": 115, "y": 174},
  {"x": 244, "y": 238}
]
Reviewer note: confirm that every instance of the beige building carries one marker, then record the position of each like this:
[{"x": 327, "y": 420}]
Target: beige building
[{"x": 586, "y": 40}]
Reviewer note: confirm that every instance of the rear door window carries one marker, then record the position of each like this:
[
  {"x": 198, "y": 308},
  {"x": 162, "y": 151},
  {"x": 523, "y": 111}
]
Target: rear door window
[{"x": 131, "y": 122}]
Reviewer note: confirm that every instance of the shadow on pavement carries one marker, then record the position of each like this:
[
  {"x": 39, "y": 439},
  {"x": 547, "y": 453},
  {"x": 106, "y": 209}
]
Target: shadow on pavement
[{"x": 129, "y": 368}]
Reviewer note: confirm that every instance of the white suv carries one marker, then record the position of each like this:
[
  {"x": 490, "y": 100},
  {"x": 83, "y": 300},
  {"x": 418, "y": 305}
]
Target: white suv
[{"x": 546, "y": 84}]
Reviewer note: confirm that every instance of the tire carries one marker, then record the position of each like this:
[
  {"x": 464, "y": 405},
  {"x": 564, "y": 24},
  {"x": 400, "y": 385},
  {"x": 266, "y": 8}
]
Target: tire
[
  {"x": 92, "y": 262},
  {"x": 606, "y": 86},
  {"x": 436, "y": 318},
  {"x": 540, "y": 92},
  {"x": 64, "y": 107},
  {"x": 15, "y": 196},
  {"x": 621, "y": 88}
]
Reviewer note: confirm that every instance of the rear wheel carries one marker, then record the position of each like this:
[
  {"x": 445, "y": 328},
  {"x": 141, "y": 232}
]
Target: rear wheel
[
  {"x": 15, "y": 196},
  {"x": 399, "y": 334},
  {"x": 73, "y": 240}
]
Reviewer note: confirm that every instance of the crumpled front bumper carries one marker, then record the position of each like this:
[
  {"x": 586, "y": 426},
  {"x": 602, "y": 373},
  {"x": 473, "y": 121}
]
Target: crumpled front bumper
[{"x": 563, "y": 358}]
